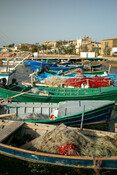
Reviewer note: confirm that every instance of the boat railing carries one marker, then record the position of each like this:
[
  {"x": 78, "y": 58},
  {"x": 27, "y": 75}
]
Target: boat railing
[
  {"x": 26, "y": 108},
  {"x": 71, "y": 91}
]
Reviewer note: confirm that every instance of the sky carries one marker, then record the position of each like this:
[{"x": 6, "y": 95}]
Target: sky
[{"x": 37, "y": 21}]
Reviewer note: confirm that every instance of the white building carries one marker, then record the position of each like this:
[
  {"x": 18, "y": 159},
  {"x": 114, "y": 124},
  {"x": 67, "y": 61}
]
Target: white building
[
  {"x": 78, "y": 44},
  {"x": 114, "y": 51},
  {"x": 87, "y": 54}
]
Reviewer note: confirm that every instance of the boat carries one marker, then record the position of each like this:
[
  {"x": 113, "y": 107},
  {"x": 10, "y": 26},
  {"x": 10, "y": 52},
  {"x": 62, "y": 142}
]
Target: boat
[
  {"x": 69, "y": 113},
  {"x": 11, "y": 62},
  {"x": 7, "y": 74},
  {"x": 7, "y": 77},
  {"x": 78, "y": 82},
  {"x": 92, "y": 66},
  {"x": 53, "y": 61},
  {"x": 75, "y": 71},
  {"x": 40, "y": 76},
  {"x": 27, "y": 62},
  {"x": 50, "y": 63},
  {"x": 56, "y": 68},
  {"x": 55, "y": 95},
  {"x": 44, "y": 75},
  {"x": 112, "y": 76},
  {"x": 42, "y": 63},
  {"x": 12, "y": 146},
  {"x": 95, "y": 72},
  {"x": 7, "y": 71},
  {"x": 95, "y": 59}
]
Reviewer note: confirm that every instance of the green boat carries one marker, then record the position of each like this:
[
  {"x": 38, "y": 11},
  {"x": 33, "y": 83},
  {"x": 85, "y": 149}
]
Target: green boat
[
  {"x": 55, "y": 95},
  {"x": 96, "y": 72},
  {"x": 86, "y": 72},
  {"x": 70, "y": 113}
]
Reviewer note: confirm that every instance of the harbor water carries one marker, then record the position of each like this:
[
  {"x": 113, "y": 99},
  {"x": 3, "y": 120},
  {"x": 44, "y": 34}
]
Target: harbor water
[{"x": 13, "y": 166}]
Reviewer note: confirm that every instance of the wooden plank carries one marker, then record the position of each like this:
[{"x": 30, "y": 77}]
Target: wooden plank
[
  {"x": 31, "y": 105},
  {"x": 9, "y": 98},
  {"x": 7, "y": 115},
  {"x": 7, "y": 131}
]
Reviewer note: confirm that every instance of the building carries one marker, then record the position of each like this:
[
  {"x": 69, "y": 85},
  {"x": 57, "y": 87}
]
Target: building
[
  {"x": 114, "y": 51},
  {"x": 77, "y": 47},
  {"x": 71, "y": 42},
  {"x": 107, "y": 46},
  {"x": 49, "y": 43},
  {"x": 25, "y": 45},
  {"x": 93, "y": 45},
  {"x": 82, "y": 42},
  {"x": 57, "y": 46}
]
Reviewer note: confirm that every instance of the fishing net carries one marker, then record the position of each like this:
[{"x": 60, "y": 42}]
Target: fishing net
[
  {"x": 79, "y": 75},
  {"x": 69, "y": 141},
  {"x": 94, "y": 82},
  {"x": 77, "y": 70},
  {"x": 40, "y": 92},
  {"x": 54, "y": 81}
]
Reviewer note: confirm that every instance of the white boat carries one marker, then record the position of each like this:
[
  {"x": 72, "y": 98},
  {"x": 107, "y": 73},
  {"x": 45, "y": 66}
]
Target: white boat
[
  {"x": 7, "y": 71},
  {"x": 6, "y": 77}
]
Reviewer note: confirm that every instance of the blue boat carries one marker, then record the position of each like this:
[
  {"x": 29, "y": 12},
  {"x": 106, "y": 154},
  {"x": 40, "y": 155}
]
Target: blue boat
[
  {"x": 44, "y": 63},
  {"x": 56, "y": 68},
  {"x": 45, "y": 75},
  {"x": 38, "y": 62},
  {"x": 77, "y": 162},
  {"x": 112, "y": 76}
]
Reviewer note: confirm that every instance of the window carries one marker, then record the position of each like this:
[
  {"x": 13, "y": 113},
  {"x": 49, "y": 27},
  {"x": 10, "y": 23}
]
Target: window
[{"x": 106, "y": 44}]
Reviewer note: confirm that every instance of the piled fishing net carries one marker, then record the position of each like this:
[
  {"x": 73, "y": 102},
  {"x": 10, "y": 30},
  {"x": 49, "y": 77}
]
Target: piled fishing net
[
  {"x": 69, "y": 141},
  {"x": 77, "y": 70},
  {"x": 79, "y": 75},
  {"x": 38, "y": 91},
  {"x": 94, "y": 82},
  {"x": 54, "y": 81}
]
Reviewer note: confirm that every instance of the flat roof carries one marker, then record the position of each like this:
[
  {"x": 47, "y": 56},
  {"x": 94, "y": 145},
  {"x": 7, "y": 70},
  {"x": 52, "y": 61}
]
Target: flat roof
[{"x": 110, "y": 39}]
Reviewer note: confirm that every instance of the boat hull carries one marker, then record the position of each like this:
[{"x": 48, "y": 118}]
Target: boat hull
[
  {"x": 61, "y": 94},
  {"x": 56, "y": 69},
  {"x": 8, "y": 76},
  {"x": 39, "y": 63},
  {"x": 79, "y": 162},
  {"x": 59, "y": 160},
  {"x": 97, "y": 115},
  {"x": 94, "y": 112}
]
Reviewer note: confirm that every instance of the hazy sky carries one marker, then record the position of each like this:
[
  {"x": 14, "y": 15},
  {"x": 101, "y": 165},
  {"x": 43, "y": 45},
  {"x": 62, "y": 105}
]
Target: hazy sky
[{"x": 31, "y": 21}]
